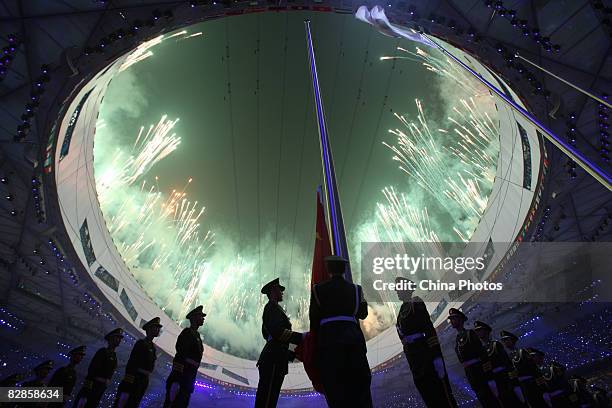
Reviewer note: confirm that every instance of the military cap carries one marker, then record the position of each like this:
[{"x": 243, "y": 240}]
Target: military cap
[
  {"x": 45, "y": 365},
  {"x": 507, "y": 335},
  {"x": 196, "y": 312},
  {"x": 452, "y": 312},
  {"x": 482, "y": 325},
  {"x": 151, "y": 323},
  {"x": 118, "y": 332},
  {"x": 78, "y": 350},
  {"x": 336, "y": 265},
  {"x": 533, "y": 350},
  {"x": 268, "y": 286}
]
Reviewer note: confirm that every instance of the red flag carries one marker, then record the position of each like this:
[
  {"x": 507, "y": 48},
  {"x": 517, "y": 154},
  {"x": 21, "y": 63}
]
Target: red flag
[
  {"x": 306, "y": 352},
  {"x": 322, "y": 246}
]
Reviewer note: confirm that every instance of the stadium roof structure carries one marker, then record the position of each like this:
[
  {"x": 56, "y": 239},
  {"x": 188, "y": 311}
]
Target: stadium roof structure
[{"x": 49, "y": 295}]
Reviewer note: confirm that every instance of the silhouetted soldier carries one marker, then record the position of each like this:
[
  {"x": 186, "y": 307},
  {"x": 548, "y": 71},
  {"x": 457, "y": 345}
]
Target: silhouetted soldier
[
  {"x": 472, "y": 355},
  {"x": 41, "y": 372},
  {"x": 580, "y": 395},
  {"x": 335, "y": 309},
  {"x": 538, "y": 357},
  {"x": 65, "y": 377},
  {"x": 557, "y": 387},
  {"x": 504, "y": 384},
  {"x": 273, "y": 363},
  {"x": 100, "y": 371},
  {"x": 139, "y": 367},
  {"x": 527, "y": 371},
  {"x": 422, "y": 349},
  {"x": 189, "y": 350}
]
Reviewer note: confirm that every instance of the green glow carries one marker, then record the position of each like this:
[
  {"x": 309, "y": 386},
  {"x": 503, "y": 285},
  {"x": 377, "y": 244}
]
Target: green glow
[{"x": 263, "y": 226}]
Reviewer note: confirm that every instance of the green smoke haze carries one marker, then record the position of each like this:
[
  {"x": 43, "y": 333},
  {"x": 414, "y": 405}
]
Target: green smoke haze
[{"x": 248, "y": 141}]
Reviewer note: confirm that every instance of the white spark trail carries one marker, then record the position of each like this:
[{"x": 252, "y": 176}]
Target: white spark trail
[
  {"x": 183, "y": 248},
  {"x": 455, "y": 165},
  {"x": 143, "y": 51}
]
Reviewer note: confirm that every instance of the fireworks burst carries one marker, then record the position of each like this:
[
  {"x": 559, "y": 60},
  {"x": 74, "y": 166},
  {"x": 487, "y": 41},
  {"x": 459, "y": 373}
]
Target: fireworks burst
[
  {"x": 136, "y": 220},
  {"x": 423, "y": 155},
  {"x": 456, "y": 166},
  {"x": 443, "y": 67},
  {"x": 178, "y": 263},
  {"x": 403, "y": 222},
  {"x": 143, "y": 51}
]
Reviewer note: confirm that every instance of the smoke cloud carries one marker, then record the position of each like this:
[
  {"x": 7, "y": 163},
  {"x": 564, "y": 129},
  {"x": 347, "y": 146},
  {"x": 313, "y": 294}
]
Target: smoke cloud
[{"x": 180, "y": 265}]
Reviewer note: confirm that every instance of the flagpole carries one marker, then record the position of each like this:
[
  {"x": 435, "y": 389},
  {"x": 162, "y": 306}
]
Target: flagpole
[{"x": 332, "y": 201}]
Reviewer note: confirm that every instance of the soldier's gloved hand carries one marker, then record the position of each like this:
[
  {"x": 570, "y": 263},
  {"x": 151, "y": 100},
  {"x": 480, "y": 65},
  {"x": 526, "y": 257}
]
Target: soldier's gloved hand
[
  {"x": 493, "y": 387},
  {"x": 296, "y": 337},
  {"x": 519, "y": 394},
  {"x": 439, "y": 366}
]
